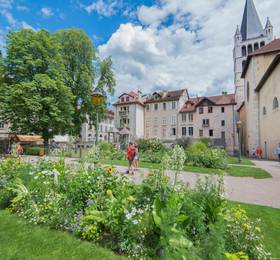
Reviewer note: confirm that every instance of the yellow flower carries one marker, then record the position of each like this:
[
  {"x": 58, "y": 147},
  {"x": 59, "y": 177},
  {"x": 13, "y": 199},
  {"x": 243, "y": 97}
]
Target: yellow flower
[
  {"x": 246, "y": 226},
  {"x": 150, "y": 174},
  {"x": 110, "y": 170},
  {"x": 109, "y": 193}
]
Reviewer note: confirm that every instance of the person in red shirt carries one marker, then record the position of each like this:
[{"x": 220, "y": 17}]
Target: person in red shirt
[
  {"x": 259, "y": 152},
  {"x": 130, "y": 157},
  {"x": 19, "y": 150}
]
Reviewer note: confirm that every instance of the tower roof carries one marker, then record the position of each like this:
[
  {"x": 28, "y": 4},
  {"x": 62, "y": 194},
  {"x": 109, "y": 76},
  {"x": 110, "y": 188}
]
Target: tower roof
[
  {"x": 268, "y": 23},
  {"x": 251, "y": 25}
]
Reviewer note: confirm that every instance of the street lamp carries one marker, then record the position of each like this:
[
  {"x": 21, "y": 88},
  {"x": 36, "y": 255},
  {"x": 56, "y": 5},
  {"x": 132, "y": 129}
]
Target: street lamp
[
  {"x": 97, "y": 100},
  {"x": 239, "y": 128}
]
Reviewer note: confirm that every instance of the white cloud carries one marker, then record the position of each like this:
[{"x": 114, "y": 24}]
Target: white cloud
[
  {"x": 23, "y": 8},
  {"x": 46, "y": 12},
  {"x": 25, "y": 25},
  {"x": 105, "y": 8},
  {"x": 5, "y": 11},
  {"x": 181, "y": 43}
]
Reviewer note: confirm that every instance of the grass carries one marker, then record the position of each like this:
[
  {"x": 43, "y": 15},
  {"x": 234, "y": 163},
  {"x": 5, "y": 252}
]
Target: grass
[
  {"x": 243, "y": 171},
  {"x": 21, "y": 240},
  {"x": 234, "y": 160},
  {"x": 270, "y": 225},
  {"x": 237, "y": 171}
]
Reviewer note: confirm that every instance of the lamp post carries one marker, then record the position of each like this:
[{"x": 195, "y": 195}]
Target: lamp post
[
  {"x": 97, "y": 100},
  {"x": 239, "y": 127}
]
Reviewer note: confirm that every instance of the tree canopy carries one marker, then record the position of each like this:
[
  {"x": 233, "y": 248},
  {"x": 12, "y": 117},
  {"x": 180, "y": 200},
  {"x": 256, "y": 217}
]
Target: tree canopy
[{"x": 44, "y": 76}]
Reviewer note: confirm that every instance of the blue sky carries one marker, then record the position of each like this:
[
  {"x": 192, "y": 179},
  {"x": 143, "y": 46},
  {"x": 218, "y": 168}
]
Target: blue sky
[{"x": 154, "y": 44}]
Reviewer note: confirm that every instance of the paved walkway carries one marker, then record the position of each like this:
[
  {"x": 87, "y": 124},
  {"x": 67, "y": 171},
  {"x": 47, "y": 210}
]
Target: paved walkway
[{"x": 264, "y": 192}]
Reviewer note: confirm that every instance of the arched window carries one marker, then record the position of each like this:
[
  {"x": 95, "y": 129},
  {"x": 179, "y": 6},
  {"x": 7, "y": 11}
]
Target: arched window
[
  {"x": 248, "y": 91},
  {"x": 250, "y": 49},
  {"x": 243, "y": 50},
  {"x": 275, "y": 103},
  {"x": 256, "y": 46},
  {"x": 262, "y": 44},
  {"x": 264, "y": 111}
]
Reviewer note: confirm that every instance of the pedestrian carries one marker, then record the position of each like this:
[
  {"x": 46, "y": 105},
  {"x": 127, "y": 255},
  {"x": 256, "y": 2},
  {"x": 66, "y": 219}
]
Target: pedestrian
[
  {"x": 278, "y": 152},
  {"x": 259, "y": 152},
  {"x": 19, "y": 150},
  {"x": 136, "y": 158},
  {"x": 130, "y": 157}
]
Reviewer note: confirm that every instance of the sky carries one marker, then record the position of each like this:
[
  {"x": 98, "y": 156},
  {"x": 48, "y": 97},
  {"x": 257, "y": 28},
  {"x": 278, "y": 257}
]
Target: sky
[{"x": 154, "y": 44}]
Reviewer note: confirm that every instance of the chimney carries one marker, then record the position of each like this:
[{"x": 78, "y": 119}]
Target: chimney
[{"x": 224, "y": 93}]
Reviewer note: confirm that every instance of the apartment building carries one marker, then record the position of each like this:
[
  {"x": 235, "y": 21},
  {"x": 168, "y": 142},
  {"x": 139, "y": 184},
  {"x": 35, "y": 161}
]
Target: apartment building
[
  {"x": 209, "y": 117},
  {"x": 161, "y": 114},
  {"x": 129, "y": 115}
]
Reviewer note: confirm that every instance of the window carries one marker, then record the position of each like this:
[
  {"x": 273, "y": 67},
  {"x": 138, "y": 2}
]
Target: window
[
  {"x": 155, "y": 107},
  {"x": 222, "y": 109},
  {"x": 200, "y": 133},
  {"x": 262, "y": 44},
  {"x": 244, "y": 51},
  {"x": 264, "y": 111},
  {"x": 2, "y": 125},
  {"x": 164, "y": 120},
  {"x": 173, "y": 131},
  {"x": 148, "y": 107},
  {"x": 248, "y": 91},
  {"x": 256, "y": 46},
  {"x": 200, "y": 110},
  {"x": 205, "y": 122},
  {"x": 210, "y": 132},
  {"x": 127, "y": 99},
  {"x": 173, "y": 120},
  {"x": 210, "y": 110},
  {"x": 223, "y": 122},
  {"x": 155, "y": 132},
  {"x": 122, "y": 99},
  {"x": 164, "y": 106},
  {"x": 250, "y": 49},
  {"x": 190, "y": 117},
  {"x": 173, "y": 104},
  {"x": 148, "y": 121},
  {"x": 243, "y": 64},
  {"x": 184, "y": 117},
  {"x": 184, "y": 131},
  {"x": 275, "y": 103},
  {"x": 190, "y": 131}
]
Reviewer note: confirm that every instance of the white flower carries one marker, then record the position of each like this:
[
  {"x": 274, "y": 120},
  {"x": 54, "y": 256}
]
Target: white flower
[{"x": 135, "y": 222}]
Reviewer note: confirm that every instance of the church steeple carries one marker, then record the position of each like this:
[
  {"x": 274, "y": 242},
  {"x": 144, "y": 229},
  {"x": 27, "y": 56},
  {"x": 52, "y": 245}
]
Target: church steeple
[{"x": 251, "y": 25}]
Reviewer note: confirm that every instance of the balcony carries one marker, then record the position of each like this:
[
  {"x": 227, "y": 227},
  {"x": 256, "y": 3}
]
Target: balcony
[
  {"x": 123, "y": 113},
  {"x": 205, "y": 124}
]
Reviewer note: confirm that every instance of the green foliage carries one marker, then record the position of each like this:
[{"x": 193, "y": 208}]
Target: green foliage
[
  {"x": 198, "y": 154},
  {"x": 154, "y": 219},
  {"x": 184, "y": 142},
  {"x": 154, "y": 145}
]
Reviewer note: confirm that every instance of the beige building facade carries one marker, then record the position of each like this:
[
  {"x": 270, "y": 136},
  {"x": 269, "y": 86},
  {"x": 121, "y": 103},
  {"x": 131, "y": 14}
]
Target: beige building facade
[
  {"x": 261, "y": 114},
  {"x": 4, "y": 137}
]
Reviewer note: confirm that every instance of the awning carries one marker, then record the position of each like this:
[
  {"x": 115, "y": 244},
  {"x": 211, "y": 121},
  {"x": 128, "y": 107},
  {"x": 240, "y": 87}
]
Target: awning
[{"x": 28, "y": 138}]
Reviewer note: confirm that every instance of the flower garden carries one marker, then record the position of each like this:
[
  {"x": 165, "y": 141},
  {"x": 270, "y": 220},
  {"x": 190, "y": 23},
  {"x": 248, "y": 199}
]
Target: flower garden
[{"x": 155, "y": 219}]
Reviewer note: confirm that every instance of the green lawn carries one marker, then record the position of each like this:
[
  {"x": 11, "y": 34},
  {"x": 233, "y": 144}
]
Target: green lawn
[
  {"x": 270, "y": 225},
  {"x": 21, "y": 240},
  {"x": 234, "y": 160},
  {"x": 238, "y": 171}
]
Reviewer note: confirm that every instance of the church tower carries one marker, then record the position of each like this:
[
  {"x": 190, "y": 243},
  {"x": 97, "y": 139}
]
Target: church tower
[{"x": 250, "y": 37}]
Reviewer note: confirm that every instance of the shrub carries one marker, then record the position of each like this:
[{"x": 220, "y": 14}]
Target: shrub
[
  {"x": 184, "y": 142},
  {"x": 200, "y": 155},
  {"x": 154, "y": 145}
]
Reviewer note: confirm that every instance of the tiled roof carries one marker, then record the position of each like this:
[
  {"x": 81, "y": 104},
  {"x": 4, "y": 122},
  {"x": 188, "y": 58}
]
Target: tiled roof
[
  {"x": 192, "y": 103},
  {"x": 166, "y": 96},
  {"x": 136, "y": 101}
]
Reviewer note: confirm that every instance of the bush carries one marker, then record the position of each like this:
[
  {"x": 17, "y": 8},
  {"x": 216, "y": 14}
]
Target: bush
[
  {"x": 154, "y": 145},
  {"x": 200, "y": 155},
  {"x": 184, "y": 142}
]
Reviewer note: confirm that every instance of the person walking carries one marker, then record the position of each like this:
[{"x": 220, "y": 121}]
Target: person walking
[
  {"x": 136, "y": 158},
  {"x": 278, "y": 152},
  {"x": 19, "y": 150},
  {"x": 130, "y": 157},
  {"x": 259, "y": 152}
]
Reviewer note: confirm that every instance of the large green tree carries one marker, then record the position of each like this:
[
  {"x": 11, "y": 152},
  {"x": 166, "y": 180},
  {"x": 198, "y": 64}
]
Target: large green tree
[
  {"x": 85, "y": 73},
  {"x": 34, "y": 97}
]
